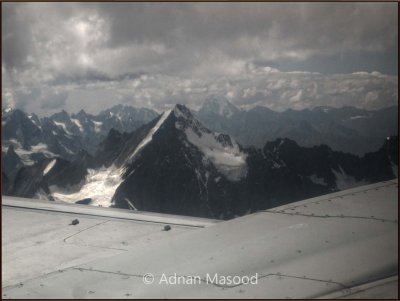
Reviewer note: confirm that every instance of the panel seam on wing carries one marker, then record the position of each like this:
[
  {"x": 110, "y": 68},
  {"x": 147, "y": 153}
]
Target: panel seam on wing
[{"x": 333, "y": 216}]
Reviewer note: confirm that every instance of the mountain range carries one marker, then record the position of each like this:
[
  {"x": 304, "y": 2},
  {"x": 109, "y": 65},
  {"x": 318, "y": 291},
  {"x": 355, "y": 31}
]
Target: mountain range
[
  {"x": 346, "y": 129},
  {"x": 176, "y": 164},
  {"x": 27, "y": 139}
]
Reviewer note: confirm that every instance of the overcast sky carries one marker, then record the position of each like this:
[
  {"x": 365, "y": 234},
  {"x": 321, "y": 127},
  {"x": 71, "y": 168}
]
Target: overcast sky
[{"x": 280, "y": 55}]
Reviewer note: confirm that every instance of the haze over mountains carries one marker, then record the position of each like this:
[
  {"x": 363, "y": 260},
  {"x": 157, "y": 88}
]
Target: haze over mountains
[
  {"x": 345, "y": 129},
  {"x": 182, "y": 162}
]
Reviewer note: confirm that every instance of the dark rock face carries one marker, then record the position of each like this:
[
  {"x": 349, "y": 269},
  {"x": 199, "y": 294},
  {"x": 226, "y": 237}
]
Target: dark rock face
[
  {"x": 11, "y": 162},
  {"x": 35, "y": 179},
  {"x": 19, "y": 127},
  {"x": 29, "y": 180},
  {"x": 84, "y": 159},
  {"x": 110, "y": 148},
  {"x": 317, "y": 160},
  {"x": 271, "y": 183},
  {"x": 169, "y": 175},
  {"x": 383, "y": 164}
]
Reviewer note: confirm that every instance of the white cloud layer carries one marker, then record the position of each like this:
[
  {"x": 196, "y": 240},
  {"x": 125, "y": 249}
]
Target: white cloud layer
[{"x": 92, "y": 55}]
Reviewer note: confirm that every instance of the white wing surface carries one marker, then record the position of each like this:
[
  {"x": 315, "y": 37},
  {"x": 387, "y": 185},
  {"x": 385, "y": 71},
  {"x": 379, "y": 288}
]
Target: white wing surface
[{"x": 341, "y": 245}]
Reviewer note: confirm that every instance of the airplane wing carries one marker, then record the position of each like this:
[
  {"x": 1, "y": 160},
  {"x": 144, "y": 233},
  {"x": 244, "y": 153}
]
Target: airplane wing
[{"x": 341, "y": 245}]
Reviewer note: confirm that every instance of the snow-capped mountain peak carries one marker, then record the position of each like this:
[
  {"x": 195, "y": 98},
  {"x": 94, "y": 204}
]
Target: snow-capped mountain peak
[
  {"x": 61, "y": 116},
  {"x": 185, "y": 119},
  {"x": 219, "y": 149},
  {"x": 182, "y": 111},
  {"x": 220, "y": 106},
  {"x": 216, "y": 149},
  {"x": 81, "y": 115},
  {"x": 123, "y": 113}
]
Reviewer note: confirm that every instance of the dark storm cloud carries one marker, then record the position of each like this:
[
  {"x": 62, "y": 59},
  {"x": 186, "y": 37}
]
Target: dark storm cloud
[
  {"x": 16, "y": 40},
  {"x": 92, "y": 55},
  {"x": 92, "y": 76}
]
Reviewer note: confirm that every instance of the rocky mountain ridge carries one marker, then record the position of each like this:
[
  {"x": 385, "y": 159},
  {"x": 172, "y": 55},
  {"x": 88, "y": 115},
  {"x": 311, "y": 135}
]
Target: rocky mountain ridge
[{"x": 175, "y": 164}]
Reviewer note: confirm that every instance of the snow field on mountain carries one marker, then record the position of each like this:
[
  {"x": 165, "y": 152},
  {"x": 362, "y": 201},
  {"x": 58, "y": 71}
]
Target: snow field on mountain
[
  {"x": 97, "y": 126},
  {"x": 100, "y": 186},
  {"x": 63, "y": 126},
  {"x": 78, "y": 124},
  {"x": 317, "y": 180},
  {"x": 345, "y": 181},
  {"x": 25, "y": 154},
  {"x": 230, "y": 161}
]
